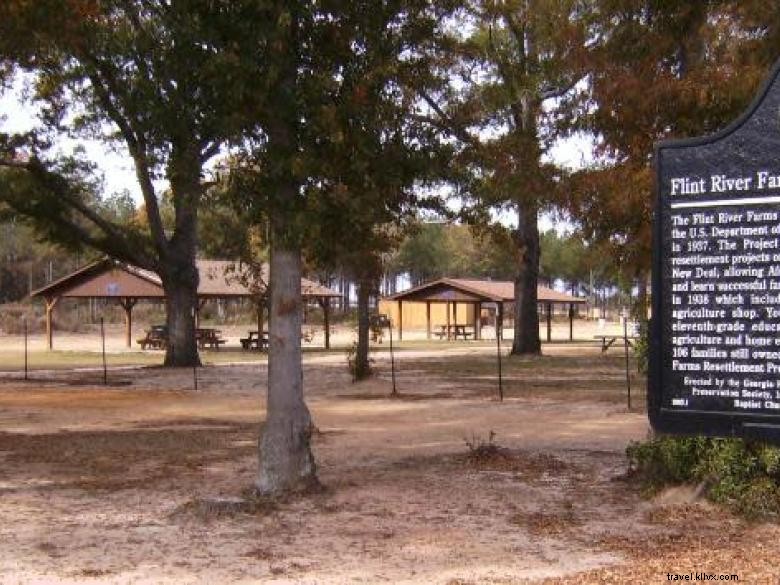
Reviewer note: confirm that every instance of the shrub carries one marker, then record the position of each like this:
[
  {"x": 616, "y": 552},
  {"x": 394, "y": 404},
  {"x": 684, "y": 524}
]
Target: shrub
[
  {"x": 352, "y": 364},
  {"x": 742, "y": 475},
  {"x": 12, "y": 317},
  {"x": 480, "y": 448},
  {"x": 642, "y": 346}
]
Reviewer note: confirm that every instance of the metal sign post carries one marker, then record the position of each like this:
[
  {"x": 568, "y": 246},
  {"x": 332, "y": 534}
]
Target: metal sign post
[
  {"x": 103, "y": 349},
  {"x": 25, "y": 349},
  {"x": 498, "y": 355},
  {"x": 392, "y": 358},
  {"x": 628, "y": 374}
]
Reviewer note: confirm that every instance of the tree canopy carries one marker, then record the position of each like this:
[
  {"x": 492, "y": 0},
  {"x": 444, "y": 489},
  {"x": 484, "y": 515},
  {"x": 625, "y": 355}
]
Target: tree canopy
[
  {"x": 659, "y": 70},
  {"x": 515, "y": 63},
  {"x": 167, "y": 81}
]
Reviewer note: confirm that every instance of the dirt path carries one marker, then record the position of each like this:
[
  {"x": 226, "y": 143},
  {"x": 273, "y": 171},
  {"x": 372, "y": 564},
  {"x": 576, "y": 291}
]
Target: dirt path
[{"x": 106, "y": 485}]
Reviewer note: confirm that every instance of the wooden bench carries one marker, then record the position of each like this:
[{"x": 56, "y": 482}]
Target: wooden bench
[
  {"x": 155, "y": 338},
  {"x": 378, "y": 323},
  {"x": 255, "y": 340},
  {"x": 455, "y": 331},
  {"x": 209, "y": 338},
  {"x": 608, "y": 341}
]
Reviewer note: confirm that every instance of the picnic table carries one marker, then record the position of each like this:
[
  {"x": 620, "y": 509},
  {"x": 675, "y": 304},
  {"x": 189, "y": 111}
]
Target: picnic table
[
  {"x": 255, "y": 340},
  {"x": 378, "y": 323},
  {"x": 207, "y": 337},
  {"x": 608, "y": 341},
  {"x": 453, "y": 331},
  {"x": 155, "y": 338}
]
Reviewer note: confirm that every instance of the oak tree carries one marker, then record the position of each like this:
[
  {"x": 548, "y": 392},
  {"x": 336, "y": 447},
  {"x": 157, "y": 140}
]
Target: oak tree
[
  {"x": 517, "y": 62},
  {"x": 659, "y": 70},
  {"x": 166, "y": 80}
]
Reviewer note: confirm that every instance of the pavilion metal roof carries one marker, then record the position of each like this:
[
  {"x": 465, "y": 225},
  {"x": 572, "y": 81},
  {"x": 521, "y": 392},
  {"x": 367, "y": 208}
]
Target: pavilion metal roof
[
  {"x": 109, "y": 278},
  {"x": 466, "y": 289}
]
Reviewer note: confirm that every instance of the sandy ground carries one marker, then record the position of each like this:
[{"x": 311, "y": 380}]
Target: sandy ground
[{"x": 121, "y": 484}]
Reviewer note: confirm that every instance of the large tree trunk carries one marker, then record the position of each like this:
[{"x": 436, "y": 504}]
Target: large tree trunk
[
  {"x": 179, "y": 272},
  {"x": 180, "y": 284},
  {"x": 526, "y": 333},
  {"x": 362, "y": 369},
  {"x": 286, "y": 461}
]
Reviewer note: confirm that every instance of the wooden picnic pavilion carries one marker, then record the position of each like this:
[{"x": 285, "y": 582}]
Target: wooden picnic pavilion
[
  {"x": 110, "y": 279},
  {"x": 473, "y": 294}
]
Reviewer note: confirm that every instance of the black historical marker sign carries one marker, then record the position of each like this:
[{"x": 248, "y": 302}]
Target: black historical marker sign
[{"x": 715, "y": 336}]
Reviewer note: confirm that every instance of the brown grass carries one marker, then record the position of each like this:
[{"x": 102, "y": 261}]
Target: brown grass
[{"x": 125, "y": 459}]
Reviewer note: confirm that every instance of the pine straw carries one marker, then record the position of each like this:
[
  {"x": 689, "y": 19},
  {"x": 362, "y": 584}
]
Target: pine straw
[
  {"x": 207, "y": 509},
  {"x": 122, "y": 459},
  {"x": 687, "y": 538},
  {"x": 491, "y": 457},
  {"x": 557, "y": 523}
]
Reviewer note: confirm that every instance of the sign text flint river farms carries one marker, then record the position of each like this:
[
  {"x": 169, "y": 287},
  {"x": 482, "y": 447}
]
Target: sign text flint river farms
[
  {"x": 715, "y": 336},
  {"x": 760, "y": 181}
]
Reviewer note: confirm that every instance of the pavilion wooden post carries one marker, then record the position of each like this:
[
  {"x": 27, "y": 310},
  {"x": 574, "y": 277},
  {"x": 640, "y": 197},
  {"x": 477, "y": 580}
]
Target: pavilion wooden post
[
  {"x": 448, "y": 321},
  {"x": 325, "y": 302},
  {"x": 428, "y": 318},
  {"x": 500, "y": 320},
  {"x": 478, "y": 320},
  {"x": 571, "y": 321},
  {"x": 199, "y": 306},
  {"x": 127, "y": 303},
  {"x": 51, "y": 302},
  {"x": 400, "y": 320},
  {"x": 548, "y": 309},
  {"x": 260, "y": 319}
]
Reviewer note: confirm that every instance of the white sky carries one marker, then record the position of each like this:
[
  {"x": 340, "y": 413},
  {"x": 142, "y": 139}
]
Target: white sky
[
  {"x": 116, "y": 166},
  {"x": 17, "y": 115}
]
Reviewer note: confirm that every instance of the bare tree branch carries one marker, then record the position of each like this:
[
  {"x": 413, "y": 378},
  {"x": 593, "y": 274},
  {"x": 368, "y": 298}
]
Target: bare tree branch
[
  {"x": 115, "y": 241},
  {"x": 105, "y": 85},
  {"x": 558, "y": 92},
  {"x": 447, "y": 122}
]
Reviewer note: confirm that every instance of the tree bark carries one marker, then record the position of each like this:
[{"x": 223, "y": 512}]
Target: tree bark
[
  {"x": 180, "y": 283},
  {"x": 362, "y": 366},
  {"x": 286, "y": 461},
  {"x": 178, "y": 270},
  {"x": 526, "y": 327}
]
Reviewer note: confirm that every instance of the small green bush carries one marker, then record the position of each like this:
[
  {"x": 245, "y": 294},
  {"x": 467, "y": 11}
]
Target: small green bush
[
  {"x": 742, "y": 475},
  {"x": 642, "y": 347},
  {"x": 352, "y": 364}
]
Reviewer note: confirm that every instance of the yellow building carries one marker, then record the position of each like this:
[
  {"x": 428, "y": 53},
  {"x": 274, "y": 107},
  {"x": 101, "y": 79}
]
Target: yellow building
[{"x": 449, "y": 306}]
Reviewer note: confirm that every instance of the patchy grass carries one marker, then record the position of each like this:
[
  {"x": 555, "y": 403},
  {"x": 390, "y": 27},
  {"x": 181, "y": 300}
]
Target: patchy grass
[
  {"x": 124, "y": 459},
  {"x": 207, "y": 509},
  {"x": 595, "y": 377},
  {"x": 548, "y": 523},
  {"x": 151, "y": 482},
  {"x": 13, "y": 361}
]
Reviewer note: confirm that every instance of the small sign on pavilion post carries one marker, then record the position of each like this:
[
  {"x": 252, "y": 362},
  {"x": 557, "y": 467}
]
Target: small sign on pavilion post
[
  {"x": 498, "y": 353},
  {"x": 715, "y": 335}
]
